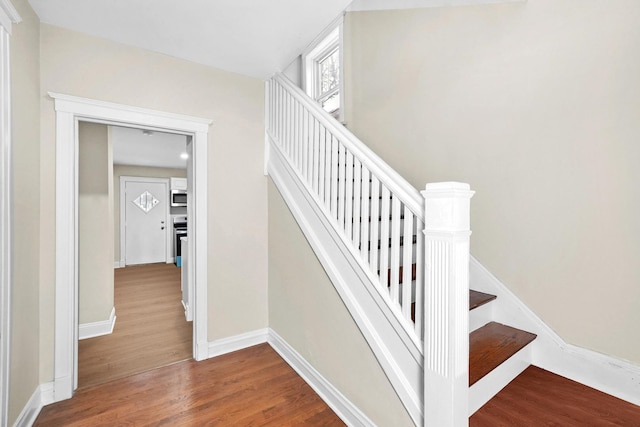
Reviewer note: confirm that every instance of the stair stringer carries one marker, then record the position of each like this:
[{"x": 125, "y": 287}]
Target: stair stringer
[
  {"x": 549, "y": 351},
  {"x": 396, "y": 351}
]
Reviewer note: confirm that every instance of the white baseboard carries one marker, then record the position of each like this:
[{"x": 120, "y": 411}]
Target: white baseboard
[
  {"x": 608, "y": 374},
  {"x": 96, "y": 329},
  {"x": 343, "y": 407},
  {"x": 116, "y": 264},
  {"x": 238, "y": 342},
  {"x": 43, "y": 395}
]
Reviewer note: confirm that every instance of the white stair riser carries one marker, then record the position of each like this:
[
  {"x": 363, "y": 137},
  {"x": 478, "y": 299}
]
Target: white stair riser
[
  {"x": 487, "y": 387},
  {"x": 480, "y": 316}
]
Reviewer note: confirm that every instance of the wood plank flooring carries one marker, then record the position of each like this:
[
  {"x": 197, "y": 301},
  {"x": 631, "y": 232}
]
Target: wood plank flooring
[
  {"x": 249, "y": 387},
  {"x": 150, "y": 330},
  {"x": 541, "y": 398}
]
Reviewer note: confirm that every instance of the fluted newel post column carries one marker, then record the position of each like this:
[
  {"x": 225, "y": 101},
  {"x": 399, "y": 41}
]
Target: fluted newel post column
[{"x": 446, "y": 317}]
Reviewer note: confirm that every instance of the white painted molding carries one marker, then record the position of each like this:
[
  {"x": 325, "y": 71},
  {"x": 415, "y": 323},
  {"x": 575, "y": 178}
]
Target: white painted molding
[
  {"x": 8, "y": 15},
  {"x": 341, "y": 405},
  {"x": 97, "y": 329},
  {"x": 362, "y": 5},
  {"x": 31, "y": 410},
  {"x": 69, "y": 111},
  {"x": 6, "y": 220},
  {"x": 116, "y": 264},
  {"x": 237, "y": 342},
  {"x": 613, "y": 376}
]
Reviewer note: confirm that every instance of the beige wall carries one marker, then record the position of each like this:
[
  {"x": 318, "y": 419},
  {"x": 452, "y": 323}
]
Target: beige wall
[
  {"x": 126, "y": 170},
  {"x": 26, "y": 215},
  {"x": 306, "y": 310},
  {"x": 536, "y": 105},
  {"x": 76, "y": 64},
  {"x": 95, "y": 223}
]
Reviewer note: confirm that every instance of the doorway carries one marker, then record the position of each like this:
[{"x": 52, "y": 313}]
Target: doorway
[{"x": 69, "y": 111}]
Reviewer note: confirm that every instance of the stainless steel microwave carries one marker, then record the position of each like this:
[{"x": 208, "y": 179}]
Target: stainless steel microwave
[{"x": 178, "y": 197}]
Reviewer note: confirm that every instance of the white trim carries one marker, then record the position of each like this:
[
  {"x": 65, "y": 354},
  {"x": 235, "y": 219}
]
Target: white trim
[
  {"x": 31, "y": 410},
  {"x": 168, "y": 231},
  {"x": 8, "y": 16},
  {"x": 341, "y": 405},
  {"x": 117, "y": 264},
  {"x": 6, "y": 223},
  {"x": 362, "y": 5},
  {"x": 97, "y": 329},
  {"x": 613, "y": 376},
  {"x": 237, "y": 342},
  {"x": 70, "y": 110},
  {"x": 42, "y": 396}
]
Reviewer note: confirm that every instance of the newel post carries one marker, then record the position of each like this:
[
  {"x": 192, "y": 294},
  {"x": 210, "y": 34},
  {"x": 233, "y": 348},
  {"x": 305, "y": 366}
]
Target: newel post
[{"x": 446, "y": 317}]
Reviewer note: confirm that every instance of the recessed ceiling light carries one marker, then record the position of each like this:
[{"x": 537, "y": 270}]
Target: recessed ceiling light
[
  {"x": 184, "y": 156},
  {"x": 146, "y": 132}
]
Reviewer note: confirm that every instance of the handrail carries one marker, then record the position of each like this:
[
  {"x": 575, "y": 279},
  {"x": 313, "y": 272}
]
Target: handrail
[{"x": 408, "y": 194}]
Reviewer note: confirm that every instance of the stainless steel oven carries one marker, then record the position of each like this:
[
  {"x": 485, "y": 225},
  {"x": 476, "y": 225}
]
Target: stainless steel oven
[{"x": 179, "y": 230}]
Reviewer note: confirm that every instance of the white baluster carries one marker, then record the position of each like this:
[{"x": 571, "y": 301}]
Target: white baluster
[
  {"x": 394, "y": 259},
  {"x": 348, "y": 208},
  {"x": 316, "y": 157},
  {"x": 375, "y": 223},
  {"x": 365, "y": 214},
  {"x": 384, "y": 237},
  {"x": 407, "y": 263},
  {"x": 306, "y": 149},
  {"x": 327, "y": 169},
  {"x": 419, "y": 307},
  {"x": 446, "y": 323},
  {"x": 342, "y": 185},
  {"x": 334, "y": 178},
  {"x": 357, "y": 197},
  {"x": 321, "y": 160}
]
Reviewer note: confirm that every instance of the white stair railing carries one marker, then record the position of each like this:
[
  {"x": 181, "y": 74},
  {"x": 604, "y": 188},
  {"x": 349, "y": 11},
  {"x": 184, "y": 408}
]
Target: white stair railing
[
  {"x": 381, "y": 218},
  {"x": 371, "y": 205}
]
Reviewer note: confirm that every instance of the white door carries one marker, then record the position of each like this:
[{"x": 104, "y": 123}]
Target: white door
[{"x": 145, "y": 222}]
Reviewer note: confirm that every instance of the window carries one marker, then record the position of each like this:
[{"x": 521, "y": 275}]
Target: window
[{"x": 323, "y": 71}]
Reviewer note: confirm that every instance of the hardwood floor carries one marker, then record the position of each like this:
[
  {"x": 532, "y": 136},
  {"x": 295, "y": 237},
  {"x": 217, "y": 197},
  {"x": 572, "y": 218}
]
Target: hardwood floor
[
  {"x": 150, "y": 330},
  {"x": 249, "y": 387},
  {"x": 541, "y": 398}
]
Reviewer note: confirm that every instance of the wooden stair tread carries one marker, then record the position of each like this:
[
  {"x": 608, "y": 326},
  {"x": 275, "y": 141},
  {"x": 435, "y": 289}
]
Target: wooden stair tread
[
  {"x": 476, "y": 299},
  {"x": 491, "y": 345}
]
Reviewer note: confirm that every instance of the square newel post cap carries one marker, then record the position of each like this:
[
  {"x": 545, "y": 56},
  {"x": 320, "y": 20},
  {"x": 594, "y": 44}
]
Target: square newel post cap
[{"x": 447, "y": 206}]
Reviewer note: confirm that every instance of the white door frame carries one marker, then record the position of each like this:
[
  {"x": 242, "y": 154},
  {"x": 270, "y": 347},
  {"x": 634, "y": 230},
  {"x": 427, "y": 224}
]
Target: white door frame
[
  {"x": 8, "y": 16},
  {"x": 70, "y": 110},
  {"x": 123, "y": 210}
]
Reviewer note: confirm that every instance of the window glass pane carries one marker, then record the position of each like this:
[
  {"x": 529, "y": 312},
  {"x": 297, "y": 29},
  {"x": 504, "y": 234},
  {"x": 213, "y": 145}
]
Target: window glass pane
[{"x": 329, "y": 67}]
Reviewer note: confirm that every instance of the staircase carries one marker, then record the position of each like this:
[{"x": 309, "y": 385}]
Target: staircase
[{"x": 398, "y": 259}]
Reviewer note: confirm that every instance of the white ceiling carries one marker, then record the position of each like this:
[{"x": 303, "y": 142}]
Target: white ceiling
[
  {"x": 132, "y": 147},
  {"x": 252, "y": 37}
]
